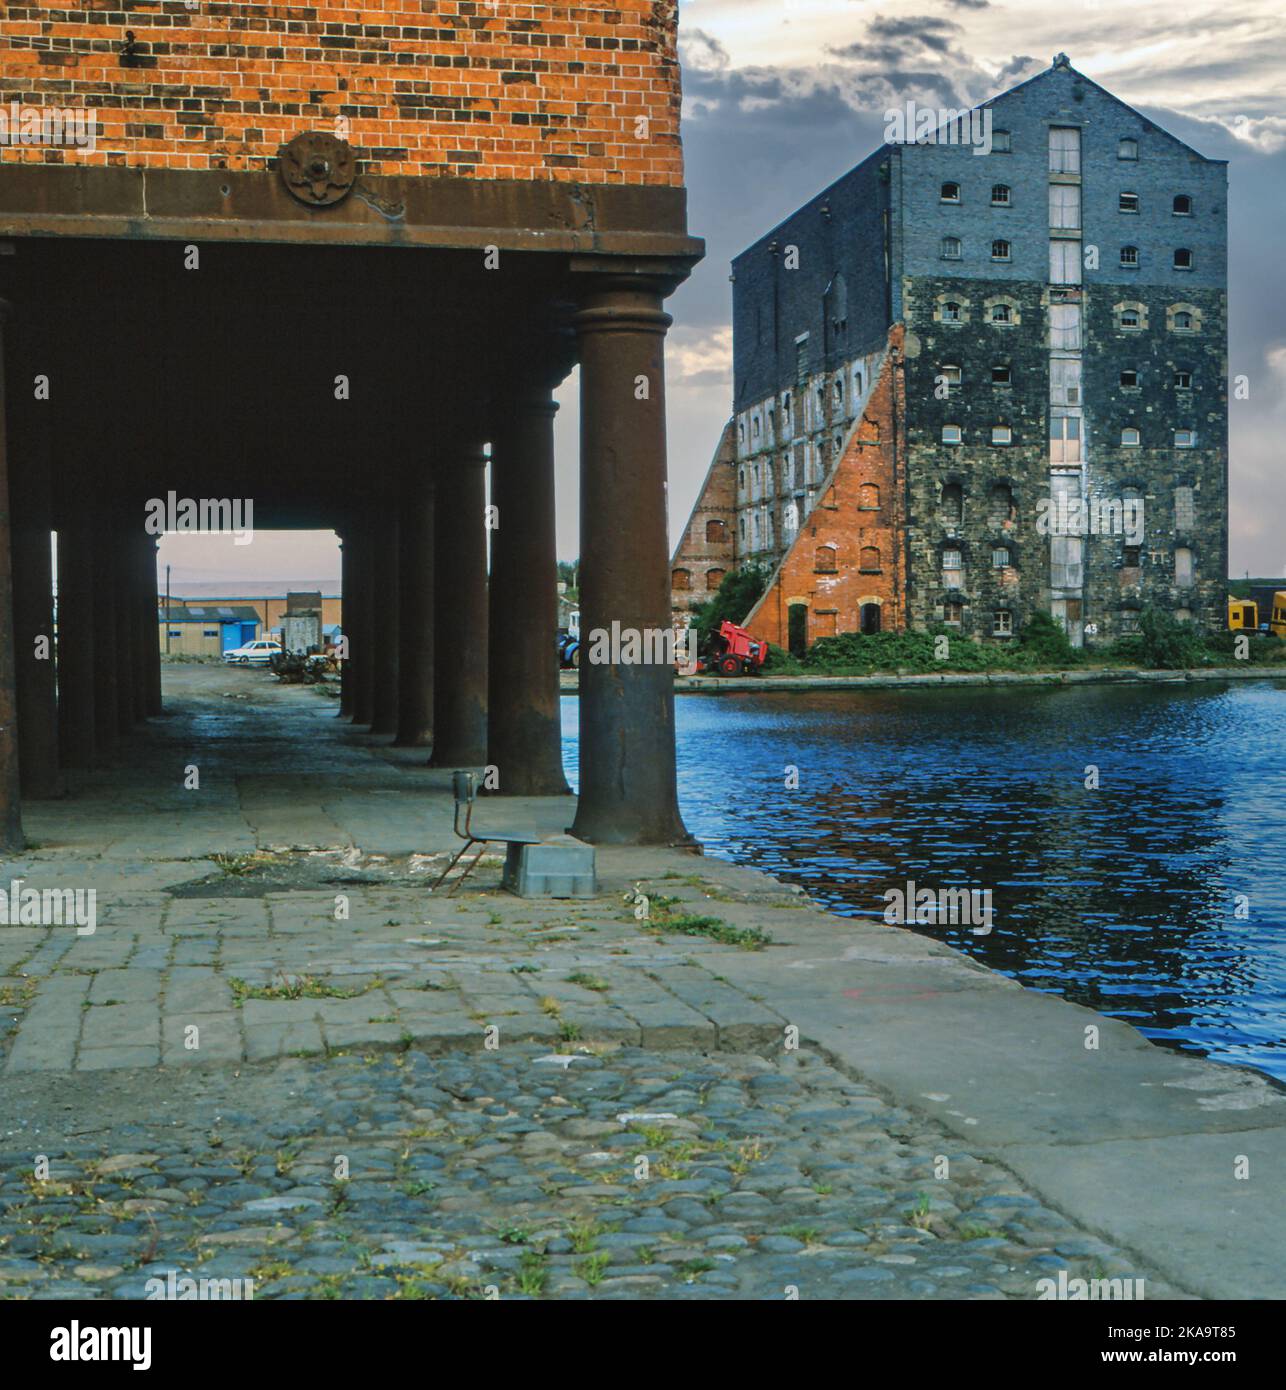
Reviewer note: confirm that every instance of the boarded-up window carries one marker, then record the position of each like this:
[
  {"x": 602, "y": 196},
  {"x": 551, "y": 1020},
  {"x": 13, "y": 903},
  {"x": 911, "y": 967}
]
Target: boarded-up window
[
  {"x": 716, "y": 532},
  {"x": 1064, "y": 207},
  {"x": 1064, "y": 149},
  {"x": 713, "y": 579},
  {"x": 1065, "y": 439},
  {"x": 681, "y": 579},
  {"x": 1066, "y": 566},
  {"x": 824, "y": 560},
  {"x": 1183, "y": 567},
  {"x": 1064, "y": 262},
  {"x": 826, "y": 621},
  {"x": 1065, "y": 381},
  {"x": 869, "y": 497},
  {"x": 952, "y": 504},
  {"x": 1065, "y": 326},
  {"x": 870, "y": 560},
  {"x": 1184, "y": 510}
]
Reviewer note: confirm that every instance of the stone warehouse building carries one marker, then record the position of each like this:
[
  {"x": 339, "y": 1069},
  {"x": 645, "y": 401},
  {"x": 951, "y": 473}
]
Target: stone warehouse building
[
  {"x": 982, "y": 376},
  {"x": 333, "y": 262}
]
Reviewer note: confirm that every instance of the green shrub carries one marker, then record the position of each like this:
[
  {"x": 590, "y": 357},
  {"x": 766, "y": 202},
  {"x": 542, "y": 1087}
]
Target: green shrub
[{"x": 738, "y": 593}]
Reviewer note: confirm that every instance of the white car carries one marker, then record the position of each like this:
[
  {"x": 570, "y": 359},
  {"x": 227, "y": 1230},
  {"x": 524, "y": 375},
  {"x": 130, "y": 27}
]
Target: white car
[{"x": 255, "y": 653}]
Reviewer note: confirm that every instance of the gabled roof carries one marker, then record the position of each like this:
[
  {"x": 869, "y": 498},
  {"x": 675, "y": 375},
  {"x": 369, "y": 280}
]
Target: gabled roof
[{"x": 1062, "y": 63}]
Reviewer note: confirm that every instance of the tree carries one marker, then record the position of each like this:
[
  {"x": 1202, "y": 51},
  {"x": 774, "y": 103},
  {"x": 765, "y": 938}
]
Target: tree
[{"x": 738, "y": 593}]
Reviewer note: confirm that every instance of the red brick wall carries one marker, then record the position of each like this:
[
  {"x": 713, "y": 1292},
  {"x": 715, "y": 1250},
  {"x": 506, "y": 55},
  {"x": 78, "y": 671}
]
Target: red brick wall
[
  {"x": 696, "y": 554},
  {"x": 465, "y": 88},
  {"x": 839, "y": 521}
]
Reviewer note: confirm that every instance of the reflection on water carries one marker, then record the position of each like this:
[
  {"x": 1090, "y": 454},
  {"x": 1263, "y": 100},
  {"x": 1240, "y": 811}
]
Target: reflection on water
[{"x": 1123, "y": 898}]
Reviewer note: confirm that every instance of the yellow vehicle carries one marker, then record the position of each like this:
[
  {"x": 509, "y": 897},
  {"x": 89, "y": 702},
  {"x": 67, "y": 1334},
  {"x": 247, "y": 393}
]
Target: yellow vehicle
[
  {"x": 1243, "y": 615},
  {"x": 1277, "y": 624}
]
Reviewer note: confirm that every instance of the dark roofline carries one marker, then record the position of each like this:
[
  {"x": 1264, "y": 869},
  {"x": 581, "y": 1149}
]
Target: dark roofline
[
  {"x": 883, "y": 150},
  {"x": 879, "y": 152}
]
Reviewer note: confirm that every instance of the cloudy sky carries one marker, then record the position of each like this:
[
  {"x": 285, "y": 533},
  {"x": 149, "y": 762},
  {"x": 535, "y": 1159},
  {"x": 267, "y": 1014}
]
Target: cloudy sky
[{"x": 782, "y": 96}]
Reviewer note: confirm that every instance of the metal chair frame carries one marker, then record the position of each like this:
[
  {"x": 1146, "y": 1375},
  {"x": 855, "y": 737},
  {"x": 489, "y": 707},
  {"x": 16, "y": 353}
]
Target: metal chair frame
[{"x": 464, "y": 786}]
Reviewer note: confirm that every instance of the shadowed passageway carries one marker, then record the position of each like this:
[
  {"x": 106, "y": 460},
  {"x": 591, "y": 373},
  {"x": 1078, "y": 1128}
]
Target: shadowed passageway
[{"x": 274, "y": 769}]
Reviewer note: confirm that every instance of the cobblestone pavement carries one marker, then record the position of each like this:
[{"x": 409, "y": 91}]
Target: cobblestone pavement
[{"x": 613, "y": 1173}]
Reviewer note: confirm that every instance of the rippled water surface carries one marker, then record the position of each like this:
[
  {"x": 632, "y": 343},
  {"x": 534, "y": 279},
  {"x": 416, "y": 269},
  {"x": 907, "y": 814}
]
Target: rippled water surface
[{"x": 1123, "y": 898}]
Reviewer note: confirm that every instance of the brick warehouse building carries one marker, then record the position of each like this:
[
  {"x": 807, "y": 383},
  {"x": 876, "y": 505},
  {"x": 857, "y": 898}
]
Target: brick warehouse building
[
  {"x": 957, "y": 376},
  {"x": 329, "y": 260}
]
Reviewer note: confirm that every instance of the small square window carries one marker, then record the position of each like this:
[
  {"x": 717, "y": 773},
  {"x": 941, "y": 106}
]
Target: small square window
[
  {"x": 1182, "y": 205},
  {"x": 1003, "y": 624},
  {"x": 1184, "y": 322},
  {"x": 1130, "y": 319},
  {"x": 950, "y": 248},
  {"x": 953, "y": 612},
  {"x": 951, "y": 434},
  {"x": 1185, "y": 439},
  {"x": 1127, "y": 149},
  {"x": 1130, "y": 438},
  {"x": 1001, "y": 374},
  {"x": 1183, "y": 381},
  {"x": 951, "y": 374},
  {"x": 1002, "y": 434},
  {"x": 1002, "y": 313},
  {"x": 1001, "y": 142},
  {"x": 950, "y": 313},
  {"x": 1130, "y": 378},
  {"x": 1183, "y": 259},
  {"x": 1129, "y": 202},
  {"x": 950, "y": 193},
  {"x": 1130, "y": 256},
  {"x": 1000, "y": 195},
  {"x": 951, "y": 560},
  {"x": 999, "y": 250},
  {"x": 1130, "y": 556},
  {"x": 1000, "y": 558}
]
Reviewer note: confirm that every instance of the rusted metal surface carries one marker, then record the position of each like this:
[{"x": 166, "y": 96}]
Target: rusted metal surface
[
  {"x": 318, "y": 168},
  {"x": 416, "y": 611},
  {"x": 628, "y": 791},
  {"x": 460, "y": 601},
  {"x": 524, "y": 729},
  {"x": 37, "y": 708},
  {"x": 10, "y": 809}
]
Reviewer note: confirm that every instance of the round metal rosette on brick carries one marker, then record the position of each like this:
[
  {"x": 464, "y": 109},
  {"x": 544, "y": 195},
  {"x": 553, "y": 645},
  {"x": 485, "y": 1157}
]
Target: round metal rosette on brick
[{"x": 317, "y": 168}]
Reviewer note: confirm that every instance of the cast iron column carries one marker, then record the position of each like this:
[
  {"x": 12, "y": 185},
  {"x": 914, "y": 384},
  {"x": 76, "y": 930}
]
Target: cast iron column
[
  {"x": 346, "y": 605},
  {"x": 101, "y": 545},
  {"x": 33, "y": 617},
  {"x": 524, "y": 726},
  {"x": 11, "y": 840},
  {"x": 385, "y": 583},
  {"x": 460, "y": 605},
  {"x": 155, "y": 633},
  {"x": 363, "y": 623},
  {"x": 120, "y": 575},
  {"x": 627, "y": 775},
  {"x": 143, "y": 599},
  {"x": 415, "y": 612},
  {"x": 76, "y": 642}
]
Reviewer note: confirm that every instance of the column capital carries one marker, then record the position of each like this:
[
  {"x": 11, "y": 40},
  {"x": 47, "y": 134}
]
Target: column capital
[{"x": 621, "y": 305}]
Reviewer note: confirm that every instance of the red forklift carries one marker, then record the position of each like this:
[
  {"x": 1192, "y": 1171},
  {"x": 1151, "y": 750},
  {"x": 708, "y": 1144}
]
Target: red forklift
[{"x": 732, "y": 652}]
